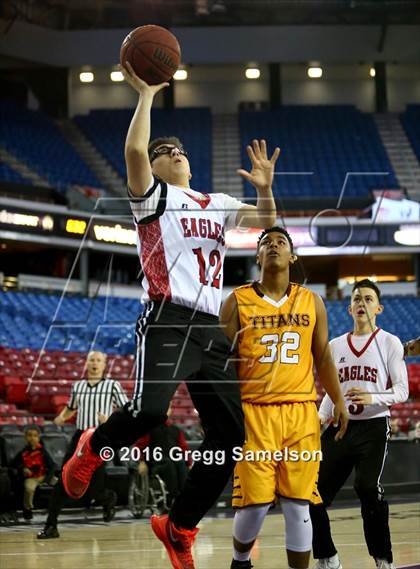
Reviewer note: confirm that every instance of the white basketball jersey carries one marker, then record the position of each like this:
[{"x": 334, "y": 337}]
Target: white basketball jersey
[
  {"x": 181, "y": 244},
  {"x": 373, "y": 363}
]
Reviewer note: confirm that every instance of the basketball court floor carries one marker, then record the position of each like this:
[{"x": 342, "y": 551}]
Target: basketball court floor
[{"x": 129, "y": 544}]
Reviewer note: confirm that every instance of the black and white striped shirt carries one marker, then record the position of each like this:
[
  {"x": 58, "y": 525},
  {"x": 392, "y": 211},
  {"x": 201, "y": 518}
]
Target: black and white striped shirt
[{"x": 89, "y": 400}]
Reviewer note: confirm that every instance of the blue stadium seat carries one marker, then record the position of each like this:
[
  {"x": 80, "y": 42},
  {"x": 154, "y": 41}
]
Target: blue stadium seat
[
  {"x": 326, "y": 142},
  {"x": 80, "y": 323},
  {"x": 399, "y": 316},
  {"x": 83, "y": 323},
  {"x": 34, "y": 139},
  {"x": 8, "y": 174},
  {"x": 107, "y": 130}
]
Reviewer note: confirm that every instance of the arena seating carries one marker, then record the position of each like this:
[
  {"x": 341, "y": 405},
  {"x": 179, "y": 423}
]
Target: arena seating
[
  {"x": 72, "y": 325},
  {"x": 410, "y": 120},
  {"x": 107, "y": 130},
  {"x": 8, "y": 174},
  {"x": 399, "y": 316},
  {"x": 33, "y": 138},
  {"x": 28, "y": 321},
  {"x": 326, "y": 140},
  {"x": 34, "y": 383}
]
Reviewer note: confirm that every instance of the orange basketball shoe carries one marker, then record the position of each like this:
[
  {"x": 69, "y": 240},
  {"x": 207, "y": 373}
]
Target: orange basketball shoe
[
  {"x": 78, "y": 470},
  {"x": 178, "y": 542}
]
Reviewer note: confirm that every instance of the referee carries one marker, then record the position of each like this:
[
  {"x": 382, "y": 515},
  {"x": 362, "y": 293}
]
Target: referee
[{"x": 93, "y": 399}]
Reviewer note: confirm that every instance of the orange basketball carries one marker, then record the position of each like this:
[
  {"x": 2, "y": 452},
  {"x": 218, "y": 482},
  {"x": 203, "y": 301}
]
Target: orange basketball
[{"x": 153, "y": 53}]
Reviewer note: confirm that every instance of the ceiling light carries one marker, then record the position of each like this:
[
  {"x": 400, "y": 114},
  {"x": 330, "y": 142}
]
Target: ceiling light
[
  {"x": 372, "y": 72},
  {"x": 218, "y": 7},
  {"x": 181, "y": 75},
  {"x": 201, "y": 8},
  {"x": 314, "y": 72},
  {"x": 116, "y": 76},
  {"x": 252, "y": 73},
  {"x": 86, "y": 77}
]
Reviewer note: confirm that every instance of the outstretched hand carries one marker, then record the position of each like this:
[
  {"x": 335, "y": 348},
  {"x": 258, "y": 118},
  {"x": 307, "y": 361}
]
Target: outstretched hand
[
  {"x": 138, "y": 84},
  {"x": 262, "y": 167}
]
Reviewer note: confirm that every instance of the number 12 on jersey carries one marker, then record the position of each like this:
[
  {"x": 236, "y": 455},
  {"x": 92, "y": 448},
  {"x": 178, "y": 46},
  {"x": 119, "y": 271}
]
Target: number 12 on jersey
[
  {"x": 290, "y": 341},
  {"x": 215, "y": 260}
]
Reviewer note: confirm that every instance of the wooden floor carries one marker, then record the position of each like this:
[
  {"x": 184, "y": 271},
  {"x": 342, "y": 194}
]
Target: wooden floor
[{"x": 130, "y": 544}]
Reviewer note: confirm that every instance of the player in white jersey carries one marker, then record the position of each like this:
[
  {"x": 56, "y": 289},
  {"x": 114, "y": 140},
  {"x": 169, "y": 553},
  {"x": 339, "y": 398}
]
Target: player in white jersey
[
  {"x": 181, "y": 244},
  {"x": 373, "y": 376}
]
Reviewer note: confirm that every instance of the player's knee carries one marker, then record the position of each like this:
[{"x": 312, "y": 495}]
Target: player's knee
[
  {"x": 154, "y": 419},
  {"x": 247, "y": 524},
  {"x": 151, "y": 417},
  {"x": 368, "y": 493},
  {"x": 298, "y": 525},
  {"x": 372, "y": 502}
]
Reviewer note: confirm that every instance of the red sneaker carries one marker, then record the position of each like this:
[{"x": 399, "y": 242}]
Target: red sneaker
[
  {"x": 78, "y": 470},
  {"x": 178, "y": 542}
]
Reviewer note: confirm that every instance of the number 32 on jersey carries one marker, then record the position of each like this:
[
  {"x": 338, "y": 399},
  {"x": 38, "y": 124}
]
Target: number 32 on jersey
[{"x": 289, "y": 343}]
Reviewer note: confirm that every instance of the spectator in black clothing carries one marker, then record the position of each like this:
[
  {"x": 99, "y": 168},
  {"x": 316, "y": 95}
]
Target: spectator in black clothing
[
  {"x": 7, "y": 506},
  {"x": 34, "y": 466}
]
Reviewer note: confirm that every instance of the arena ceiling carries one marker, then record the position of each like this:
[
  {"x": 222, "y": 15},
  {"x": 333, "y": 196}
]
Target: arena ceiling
[{"x": 94, "y": 14}]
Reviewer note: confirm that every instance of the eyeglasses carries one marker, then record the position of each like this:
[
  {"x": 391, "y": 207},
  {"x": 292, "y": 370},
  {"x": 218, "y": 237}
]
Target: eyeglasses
[{"x": 166, "y": 150}]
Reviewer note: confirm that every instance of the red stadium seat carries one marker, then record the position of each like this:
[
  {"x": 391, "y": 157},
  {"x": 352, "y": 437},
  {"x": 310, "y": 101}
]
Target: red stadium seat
[
  {"x": 7, "y": 370},
  {"x": 59, "y": 402},
  {"x": 17, "y": 393},
  {"x": 11, "y": 380},
  {"x": 405, "y": 413},
  {"x": 42, "y": 404},
  {"x": 20, "y": 413},
  {"x": 7, "y": 408},
  {"x": 38, "y": 420},
  {"x": 405, "y": 425}
]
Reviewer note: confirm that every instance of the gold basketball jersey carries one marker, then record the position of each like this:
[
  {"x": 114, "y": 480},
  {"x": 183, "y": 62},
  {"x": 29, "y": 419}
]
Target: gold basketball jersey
[{"x": 275, "y": 345}]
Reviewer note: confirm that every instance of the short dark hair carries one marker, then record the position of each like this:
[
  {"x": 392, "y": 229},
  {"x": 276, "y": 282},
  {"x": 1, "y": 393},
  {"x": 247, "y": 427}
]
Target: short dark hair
[
  {"x": 275, "y": 229},
  {"x": 32, "y": 428},
  {"x": 153, "y": 144},
  {"x": 367, "y": 283}
]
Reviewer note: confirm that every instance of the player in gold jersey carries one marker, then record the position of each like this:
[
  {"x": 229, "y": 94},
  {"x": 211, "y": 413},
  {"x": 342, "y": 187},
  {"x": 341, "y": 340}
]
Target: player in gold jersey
[{"x": 278, "y": 330}]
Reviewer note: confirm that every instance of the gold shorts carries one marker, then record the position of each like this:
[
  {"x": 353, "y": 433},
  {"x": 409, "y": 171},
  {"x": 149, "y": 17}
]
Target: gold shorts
[{"x": 292, "y": 429}]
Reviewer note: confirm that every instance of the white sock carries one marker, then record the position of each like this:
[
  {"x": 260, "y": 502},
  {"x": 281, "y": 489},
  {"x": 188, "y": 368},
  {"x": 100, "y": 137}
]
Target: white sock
[{"x": 334, "y": 559}]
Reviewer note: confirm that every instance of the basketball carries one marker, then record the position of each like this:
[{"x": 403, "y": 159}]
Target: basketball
[{"x": 153, "y": 53}]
